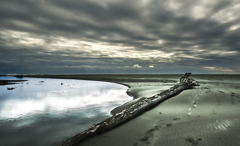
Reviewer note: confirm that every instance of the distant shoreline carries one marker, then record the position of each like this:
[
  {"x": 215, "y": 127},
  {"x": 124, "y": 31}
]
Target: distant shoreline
[{"x": 10, "y": 82}]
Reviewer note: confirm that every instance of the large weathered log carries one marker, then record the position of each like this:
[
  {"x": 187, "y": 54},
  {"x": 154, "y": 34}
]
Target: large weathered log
[{"x": 131, "y": 112}]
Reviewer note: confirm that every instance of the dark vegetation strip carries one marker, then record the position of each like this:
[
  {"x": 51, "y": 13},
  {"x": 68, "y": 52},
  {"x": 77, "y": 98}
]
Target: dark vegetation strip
[{"x": 10, "y": 82}]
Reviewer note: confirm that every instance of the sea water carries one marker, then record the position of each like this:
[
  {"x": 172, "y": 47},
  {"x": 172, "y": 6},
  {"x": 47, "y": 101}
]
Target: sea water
[{"x": 43, "y": 112}]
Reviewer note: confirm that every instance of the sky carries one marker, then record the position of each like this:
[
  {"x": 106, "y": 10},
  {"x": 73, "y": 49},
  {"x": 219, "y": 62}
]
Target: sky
[{"x": 119, "y": 36}]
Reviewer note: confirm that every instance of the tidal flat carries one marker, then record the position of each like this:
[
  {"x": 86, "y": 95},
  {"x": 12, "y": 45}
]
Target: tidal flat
[{"x": 206, "y": 115}]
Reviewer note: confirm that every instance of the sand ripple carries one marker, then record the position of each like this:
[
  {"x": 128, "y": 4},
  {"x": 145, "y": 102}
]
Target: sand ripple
[{"x": 215, "y": 132}]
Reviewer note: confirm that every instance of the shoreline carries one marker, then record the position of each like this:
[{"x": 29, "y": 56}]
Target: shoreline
[
  {"x": 207, "y": 115},
  {"x": 10, "y": 82}
]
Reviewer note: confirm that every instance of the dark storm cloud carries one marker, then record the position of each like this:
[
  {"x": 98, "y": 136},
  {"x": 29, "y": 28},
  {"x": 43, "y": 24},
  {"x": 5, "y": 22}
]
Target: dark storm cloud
[{"x": 187, "y": 34}]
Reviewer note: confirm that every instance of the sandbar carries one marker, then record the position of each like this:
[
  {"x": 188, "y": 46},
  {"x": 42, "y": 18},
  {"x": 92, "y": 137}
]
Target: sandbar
[{"x": 206, "y": 115}]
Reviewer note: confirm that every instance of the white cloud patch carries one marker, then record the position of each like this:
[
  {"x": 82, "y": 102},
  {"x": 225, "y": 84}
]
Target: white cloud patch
[
  {"x": 234, "y": 27},
  {"x": 217, "y": 69},
  {"x": 137, "y": 66},
  {"x": 151, "y": 66}
]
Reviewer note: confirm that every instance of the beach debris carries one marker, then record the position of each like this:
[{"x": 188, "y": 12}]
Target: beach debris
[
  {"x": 192, "y": 140},
  {"x": 221, "y": 91},
  {"x": 144, "y": 139},
  {"x": 169, "y": 125},
  {"x": 10, "y": 88},
  {"x": 19, "y": 76},
  {"x": 133, "y": 111},
  {"x": 176, "y": 119},
  {"x": 9, "y": 82}
]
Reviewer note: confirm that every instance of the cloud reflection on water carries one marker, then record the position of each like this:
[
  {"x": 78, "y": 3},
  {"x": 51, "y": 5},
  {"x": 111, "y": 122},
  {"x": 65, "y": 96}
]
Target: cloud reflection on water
[
  {"x": 17, "y": 107},
  {"x": 47, "y": 111},
  {"x": 51, "y": 97}
]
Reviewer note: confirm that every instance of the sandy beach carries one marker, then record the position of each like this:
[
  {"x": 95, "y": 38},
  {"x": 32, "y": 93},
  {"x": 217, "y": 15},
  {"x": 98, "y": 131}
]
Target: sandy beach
[{"x": 206, "y": 115}]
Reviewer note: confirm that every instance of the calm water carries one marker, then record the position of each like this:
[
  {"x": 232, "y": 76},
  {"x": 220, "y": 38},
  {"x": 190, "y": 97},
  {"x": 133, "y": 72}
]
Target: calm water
[{"x": 43, "y": 112}]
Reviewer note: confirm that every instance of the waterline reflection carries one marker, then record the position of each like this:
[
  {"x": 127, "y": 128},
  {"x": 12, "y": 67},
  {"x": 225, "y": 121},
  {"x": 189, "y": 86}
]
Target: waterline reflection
[{"x": 45, "y": 111}]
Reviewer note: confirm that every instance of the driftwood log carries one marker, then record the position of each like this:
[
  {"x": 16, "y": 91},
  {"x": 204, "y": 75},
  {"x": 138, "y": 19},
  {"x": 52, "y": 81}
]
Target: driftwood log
[{"x": 131, "y": 112}]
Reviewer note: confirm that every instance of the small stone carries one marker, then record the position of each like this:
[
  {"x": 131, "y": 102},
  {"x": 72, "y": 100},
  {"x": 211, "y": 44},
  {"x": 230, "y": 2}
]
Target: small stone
[
  {"x": 144, "y": 139},
  {"x": 169, "y": 125},
  {"x": 176, "y": 119}
]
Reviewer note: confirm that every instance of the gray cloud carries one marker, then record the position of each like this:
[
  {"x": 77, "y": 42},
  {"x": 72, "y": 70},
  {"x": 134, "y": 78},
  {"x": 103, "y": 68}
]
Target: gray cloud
[{"x": 89, "y": 36}]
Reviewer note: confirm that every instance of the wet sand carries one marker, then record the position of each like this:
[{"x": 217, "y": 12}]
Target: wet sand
[{"x": 207, "y": 115}]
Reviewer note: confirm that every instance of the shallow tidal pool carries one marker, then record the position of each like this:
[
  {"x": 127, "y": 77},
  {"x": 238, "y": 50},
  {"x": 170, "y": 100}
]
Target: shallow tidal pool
[{"x": 43, "y": 112}]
